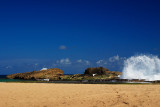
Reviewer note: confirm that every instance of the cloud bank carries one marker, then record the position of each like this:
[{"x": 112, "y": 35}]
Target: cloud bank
[
  {"x": 114, "y": 63},
  {"x": 64, "y": 61}
]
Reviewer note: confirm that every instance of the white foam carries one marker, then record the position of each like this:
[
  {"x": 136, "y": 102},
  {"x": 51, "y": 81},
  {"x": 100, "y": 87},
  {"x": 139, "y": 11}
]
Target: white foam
[{"x": 142, "y": 67}]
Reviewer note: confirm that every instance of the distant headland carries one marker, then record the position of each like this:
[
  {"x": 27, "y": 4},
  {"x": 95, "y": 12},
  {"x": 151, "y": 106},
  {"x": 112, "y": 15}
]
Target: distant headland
[{"x": 55, "y": 74}]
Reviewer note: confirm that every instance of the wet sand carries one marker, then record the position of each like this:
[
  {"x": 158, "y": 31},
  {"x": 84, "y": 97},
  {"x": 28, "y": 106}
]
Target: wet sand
[{"x": 78, "y": 95}]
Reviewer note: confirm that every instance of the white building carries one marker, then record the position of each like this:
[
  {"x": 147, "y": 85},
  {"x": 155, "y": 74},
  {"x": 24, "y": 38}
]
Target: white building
[
  {"x": 43, "y": 69},
  {"x": 94, "y": 75},
  {"x": 43, "y": 80}
]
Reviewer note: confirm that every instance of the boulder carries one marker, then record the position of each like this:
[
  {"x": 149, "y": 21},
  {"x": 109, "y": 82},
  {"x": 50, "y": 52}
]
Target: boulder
[
  {"x": 98, "y": 71},
  {"x": 114, "y": 72}
]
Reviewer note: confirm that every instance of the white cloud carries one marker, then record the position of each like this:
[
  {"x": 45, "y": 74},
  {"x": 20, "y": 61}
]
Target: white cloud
[
  {"x": 86, "y": 62},
  {"x": 114, "y": 58},
  {"x": 64, "y": 61},
  {"x": 79, "y": 61},
  {"x": 101, "y": 62},
  {"x": 8, "y": 67},
  {"x": 62, "y": 47},
  {"x": 123, "y": 58}
]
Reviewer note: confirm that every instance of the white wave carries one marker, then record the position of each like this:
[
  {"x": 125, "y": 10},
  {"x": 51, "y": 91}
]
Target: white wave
[{"x": 142, "y": 67}]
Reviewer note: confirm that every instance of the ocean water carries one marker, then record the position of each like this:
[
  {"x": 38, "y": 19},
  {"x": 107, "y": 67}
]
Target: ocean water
[{"x": 4, "y": 79}]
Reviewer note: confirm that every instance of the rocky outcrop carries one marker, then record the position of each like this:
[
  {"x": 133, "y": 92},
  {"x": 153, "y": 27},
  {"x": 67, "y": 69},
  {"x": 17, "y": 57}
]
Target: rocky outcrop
[
  {"x": 44, "y": 74},
  {"x": 114, "y": 72},
  {"x": 100, "y": 71}
]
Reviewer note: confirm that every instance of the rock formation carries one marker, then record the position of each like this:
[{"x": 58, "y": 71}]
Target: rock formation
[
  {"x": 44, "y": 74},
  {"x": 100, "y": 71},
  {"x": 114, "y": 72}
]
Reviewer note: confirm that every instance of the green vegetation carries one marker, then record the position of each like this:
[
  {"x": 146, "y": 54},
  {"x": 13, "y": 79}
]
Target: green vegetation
[{"x": 79, "y": 77}]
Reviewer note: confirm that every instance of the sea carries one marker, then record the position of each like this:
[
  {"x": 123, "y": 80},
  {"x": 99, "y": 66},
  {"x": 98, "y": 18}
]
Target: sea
[{"x": 4, "y": 79}]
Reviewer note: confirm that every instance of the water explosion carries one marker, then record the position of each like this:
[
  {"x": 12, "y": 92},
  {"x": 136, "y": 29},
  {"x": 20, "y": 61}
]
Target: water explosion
[{"x": 142, "y": 67}]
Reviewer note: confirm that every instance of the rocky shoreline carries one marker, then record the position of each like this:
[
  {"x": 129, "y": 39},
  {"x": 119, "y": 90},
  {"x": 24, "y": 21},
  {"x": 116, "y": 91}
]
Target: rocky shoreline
[{"x": 55, "y": 74}]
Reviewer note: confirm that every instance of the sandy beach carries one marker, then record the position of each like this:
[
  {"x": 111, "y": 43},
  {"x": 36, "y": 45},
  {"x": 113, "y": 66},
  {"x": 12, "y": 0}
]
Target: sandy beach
[{"x": 78, "y": 95}]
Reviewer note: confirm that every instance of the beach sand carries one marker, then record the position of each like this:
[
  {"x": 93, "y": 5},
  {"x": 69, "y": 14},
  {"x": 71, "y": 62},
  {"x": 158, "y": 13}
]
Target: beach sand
[{"x": 78, "y": 95}]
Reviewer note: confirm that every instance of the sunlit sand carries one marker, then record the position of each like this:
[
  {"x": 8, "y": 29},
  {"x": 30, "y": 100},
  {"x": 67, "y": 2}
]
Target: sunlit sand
[{"x": 78, "y": 95}]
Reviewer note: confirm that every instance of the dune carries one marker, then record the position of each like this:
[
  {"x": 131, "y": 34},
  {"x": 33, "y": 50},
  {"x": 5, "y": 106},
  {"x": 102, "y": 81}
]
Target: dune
[{"x": 78, "y": 95}]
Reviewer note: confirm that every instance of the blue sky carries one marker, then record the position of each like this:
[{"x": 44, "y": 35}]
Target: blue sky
[{"x": 76, "y": 34}]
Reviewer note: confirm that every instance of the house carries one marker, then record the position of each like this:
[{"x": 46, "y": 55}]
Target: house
[
  {"x": 43, "y": 69},
  {"x": 94, "y": 75}
]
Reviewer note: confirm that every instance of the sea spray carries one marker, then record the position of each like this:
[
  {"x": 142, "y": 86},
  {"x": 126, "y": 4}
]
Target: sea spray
[{"x": 142, "y": 67}]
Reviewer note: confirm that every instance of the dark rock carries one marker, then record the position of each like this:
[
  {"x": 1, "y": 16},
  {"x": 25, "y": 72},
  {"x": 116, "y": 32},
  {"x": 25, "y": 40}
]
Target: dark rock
[
  {"x": 98, "y": 71},
  {"x": 101, "y": 71}
]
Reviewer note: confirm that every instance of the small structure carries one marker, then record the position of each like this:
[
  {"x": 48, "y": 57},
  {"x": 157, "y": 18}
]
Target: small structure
[
  {"x": 43, "y": 69},
  {"x": 119, "y": 76},
  {"x": 94, "y": 75},
  {"x": 43, "y": 80}
]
